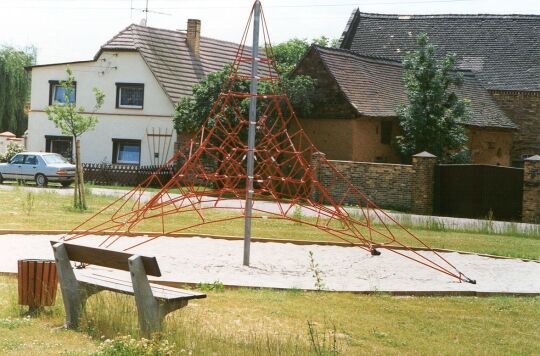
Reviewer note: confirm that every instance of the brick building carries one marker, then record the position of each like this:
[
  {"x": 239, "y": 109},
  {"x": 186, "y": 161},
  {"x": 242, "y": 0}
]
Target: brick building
[
  {"x": 503, "y": 51},
  {"x": 356, "y": 117}
]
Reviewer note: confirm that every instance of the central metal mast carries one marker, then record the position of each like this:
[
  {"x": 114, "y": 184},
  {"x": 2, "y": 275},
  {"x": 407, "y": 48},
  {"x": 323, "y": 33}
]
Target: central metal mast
[{"x": 251, "y": 131}]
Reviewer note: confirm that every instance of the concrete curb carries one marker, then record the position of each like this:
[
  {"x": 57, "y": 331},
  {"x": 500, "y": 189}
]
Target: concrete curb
[{"x": 393, "y": 293}]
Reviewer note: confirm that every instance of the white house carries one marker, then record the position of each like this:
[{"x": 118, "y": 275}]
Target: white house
[{"x": 143, "y": 72}]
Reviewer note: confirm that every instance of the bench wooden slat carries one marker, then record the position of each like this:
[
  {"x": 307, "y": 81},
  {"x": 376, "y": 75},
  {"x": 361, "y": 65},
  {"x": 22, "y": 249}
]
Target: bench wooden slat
[
  {"x": 108, "y": 258},
  {"x": 125, "y": 286},
  {"x": 155, "y": 286}
]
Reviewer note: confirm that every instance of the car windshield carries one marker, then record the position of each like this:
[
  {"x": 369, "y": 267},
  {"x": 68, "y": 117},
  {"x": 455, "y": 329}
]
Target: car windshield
[{"x": 52, "y": 159}]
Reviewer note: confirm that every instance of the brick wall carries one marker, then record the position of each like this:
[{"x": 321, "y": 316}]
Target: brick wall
[
  {"x": 531, "y": 190},
  {"x": 388, "y": 185},
  {"x": 524, "y": 109}
]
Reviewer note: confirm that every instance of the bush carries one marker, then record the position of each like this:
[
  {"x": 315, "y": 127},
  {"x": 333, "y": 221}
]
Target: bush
[{"x": 12, "y": 149}]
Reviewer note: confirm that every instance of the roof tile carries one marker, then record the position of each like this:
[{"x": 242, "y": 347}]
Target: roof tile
[
  {"x": 374, "y": 86},
  {"x": 168, "y": 56},
  {"x": 503, "y": 50}
]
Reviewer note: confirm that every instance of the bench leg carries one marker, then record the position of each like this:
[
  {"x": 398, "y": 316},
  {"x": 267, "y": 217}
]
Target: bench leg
[
  {"x": 168, "y": 307},
  {"x": 147, "y": 306},
  {"x": 72, "y": 294}
]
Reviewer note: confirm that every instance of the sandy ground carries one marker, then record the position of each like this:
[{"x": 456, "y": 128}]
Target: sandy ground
[{"x": 284, "y": 265}]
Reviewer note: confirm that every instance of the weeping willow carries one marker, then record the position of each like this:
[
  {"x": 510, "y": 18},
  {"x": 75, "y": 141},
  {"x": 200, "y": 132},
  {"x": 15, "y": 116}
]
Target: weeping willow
[{"x": 14, "y": 88}]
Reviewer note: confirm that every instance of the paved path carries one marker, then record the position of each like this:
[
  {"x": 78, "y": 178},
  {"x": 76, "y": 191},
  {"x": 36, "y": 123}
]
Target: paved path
[{"x": 441, "y": 222}]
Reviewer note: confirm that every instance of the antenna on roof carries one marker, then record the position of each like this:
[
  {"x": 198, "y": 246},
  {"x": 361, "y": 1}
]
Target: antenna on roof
[{"x": 146, "y": 11}]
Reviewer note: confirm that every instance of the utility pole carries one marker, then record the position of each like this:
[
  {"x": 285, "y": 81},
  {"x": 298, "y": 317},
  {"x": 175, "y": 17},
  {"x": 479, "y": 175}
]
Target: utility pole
[{"x": 251, "y": 132}]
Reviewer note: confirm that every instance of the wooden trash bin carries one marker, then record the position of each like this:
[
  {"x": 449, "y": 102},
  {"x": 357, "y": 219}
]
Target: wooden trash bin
[{"x": 38, "y": 282}]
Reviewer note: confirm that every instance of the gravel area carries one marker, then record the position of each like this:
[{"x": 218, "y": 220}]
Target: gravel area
[{"x": 285, "y": 265}]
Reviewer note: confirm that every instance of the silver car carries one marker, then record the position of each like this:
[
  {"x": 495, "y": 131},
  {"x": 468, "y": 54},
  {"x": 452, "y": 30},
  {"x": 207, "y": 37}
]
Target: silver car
[{"x": 43, "y": 167}]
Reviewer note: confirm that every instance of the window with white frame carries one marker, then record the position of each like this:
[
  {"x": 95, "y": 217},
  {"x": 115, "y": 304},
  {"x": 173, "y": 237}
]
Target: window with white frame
[
  {"x": 60, "y": 94},
  {"x": 126, "y": 151},
  {"x": 129, "y": 95}
]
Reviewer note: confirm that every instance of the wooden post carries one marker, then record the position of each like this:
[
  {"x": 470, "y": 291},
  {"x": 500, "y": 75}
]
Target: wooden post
[
  {"x": 147, "y": 305},
  {"x": 71, "y": 293}
]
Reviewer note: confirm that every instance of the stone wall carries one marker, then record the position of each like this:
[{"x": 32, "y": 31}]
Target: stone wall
[
  {"x": 388, "y": 185},
  {"x": 531, "y": 190},
  {"x": 406, "y": 187},
  {"x": 524, "y": 109}
]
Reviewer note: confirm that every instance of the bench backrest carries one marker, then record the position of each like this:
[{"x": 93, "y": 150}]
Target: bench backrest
[{"x": 108, "y": 258}]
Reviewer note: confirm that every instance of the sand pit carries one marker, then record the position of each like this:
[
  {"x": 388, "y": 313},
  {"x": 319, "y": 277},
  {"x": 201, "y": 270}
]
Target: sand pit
[{"x": 285, "y": 265}]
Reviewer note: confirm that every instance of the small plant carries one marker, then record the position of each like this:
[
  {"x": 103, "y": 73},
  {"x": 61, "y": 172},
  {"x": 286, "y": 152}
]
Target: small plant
[
  {"x": 9, "y": 323},
  {"x": 297, "y": 214},
  {"x": 28, "y": 203},
  {"x": 216, "y": 286},
  {"x": 322, "y": 345},
  {"x": 126, "y": 345},
  {"x": 316, "y": 272}
]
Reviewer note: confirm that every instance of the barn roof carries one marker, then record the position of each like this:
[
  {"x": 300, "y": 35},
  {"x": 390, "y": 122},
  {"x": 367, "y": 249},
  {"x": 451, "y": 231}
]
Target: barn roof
[
  {"x": 502, "y": 50},
  {"x": 374, "y": 87}
]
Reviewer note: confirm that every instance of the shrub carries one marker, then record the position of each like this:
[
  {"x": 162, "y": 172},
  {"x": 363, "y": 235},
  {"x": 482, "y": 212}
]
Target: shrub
[{"x": 12, "y": 149}]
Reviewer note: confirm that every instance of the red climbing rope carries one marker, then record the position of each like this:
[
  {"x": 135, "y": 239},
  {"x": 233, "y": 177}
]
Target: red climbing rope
[{"x": 209, "y": 185}]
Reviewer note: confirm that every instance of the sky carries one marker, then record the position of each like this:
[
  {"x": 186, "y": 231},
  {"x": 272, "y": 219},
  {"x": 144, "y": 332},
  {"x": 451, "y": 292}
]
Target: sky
[{"x": 70, "y": 30}]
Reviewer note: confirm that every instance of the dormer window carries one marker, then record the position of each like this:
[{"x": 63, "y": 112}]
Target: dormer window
[
  {"x": 129, "y": 95},
  {"x": 57, "y": 93}
]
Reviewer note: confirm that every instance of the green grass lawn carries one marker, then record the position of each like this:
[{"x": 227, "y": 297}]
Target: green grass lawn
[
  {"x": 20, "y": 335},
  {"x": 267, "y": 322},
  {"x": 253, "y": 321},
  {"x": 49, "y": 211}
]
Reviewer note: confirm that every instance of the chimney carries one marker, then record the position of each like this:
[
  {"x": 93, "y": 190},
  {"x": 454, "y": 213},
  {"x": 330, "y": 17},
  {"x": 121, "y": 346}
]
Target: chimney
[{"x": 193, "y": 35}]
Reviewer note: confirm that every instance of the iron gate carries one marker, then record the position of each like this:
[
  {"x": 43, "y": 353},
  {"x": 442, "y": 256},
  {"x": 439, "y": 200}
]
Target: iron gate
[{"x": 479, "y": 191}]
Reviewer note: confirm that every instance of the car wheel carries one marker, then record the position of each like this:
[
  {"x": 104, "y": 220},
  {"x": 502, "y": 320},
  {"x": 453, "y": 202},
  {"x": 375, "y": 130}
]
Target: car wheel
[
  {"x": 66, "y": 184},
  {"x": 41, "y": 180}
]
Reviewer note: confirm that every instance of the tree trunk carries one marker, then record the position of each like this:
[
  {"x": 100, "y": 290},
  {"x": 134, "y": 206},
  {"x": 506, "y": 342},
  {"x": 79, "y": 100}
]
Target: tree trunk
[
  {"x": 79, "y": 176},
  {"x": 76, "y": 189}
]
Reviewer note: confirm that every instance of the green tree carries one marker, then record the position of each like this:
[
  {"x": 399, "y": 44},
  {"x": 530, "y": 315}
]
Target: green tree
[
  {"x": 432, "y": 119},
  {"x": 74, "y": 121},
  {"x": 192, "y": 111},
  {"x": 288, "y": 54},
  {"x": 14, "y": 88}
]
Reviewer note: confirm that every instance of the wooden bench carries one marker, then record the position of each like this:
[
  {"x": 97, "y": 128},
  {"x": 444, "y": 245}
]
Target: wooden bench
[{"x": 153, "y": 301}]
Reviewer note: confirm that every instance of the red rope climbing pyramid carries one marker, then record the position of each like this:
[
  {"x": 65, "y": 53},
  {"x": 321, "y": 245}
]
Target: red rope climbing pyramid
[{"x": 209, "y": 187}]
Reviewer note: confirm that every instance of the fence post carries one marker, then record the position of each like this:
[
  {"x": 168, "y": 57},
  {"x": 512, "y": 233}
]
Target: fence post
[
  {"x": 315, "y": 165},
  {"x": 423, "y": 183},
  {"x": 531, "y": 190}
]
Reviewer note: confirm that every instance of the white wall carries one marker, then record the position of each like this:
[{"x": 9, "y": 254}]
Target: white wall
[{"x": 109, "y": 69}]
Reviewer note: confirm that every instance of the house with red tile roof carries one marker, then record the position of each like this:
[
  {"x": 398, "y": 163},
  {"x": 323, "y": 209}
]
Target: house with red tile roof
[
  {"x": 143, "y": 72},
  {"x": 357, "y": 120},
  {"x": 503, "y": 52}
]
